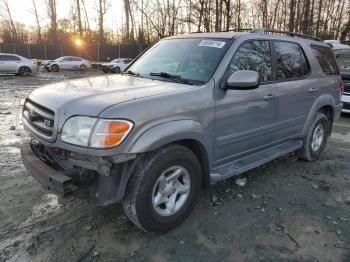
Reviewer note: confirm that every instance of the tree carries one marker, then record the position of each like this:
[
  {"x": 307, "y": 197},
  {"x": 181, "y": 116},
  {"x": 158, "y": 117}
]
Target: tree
[{"x": 51, "y": 11}]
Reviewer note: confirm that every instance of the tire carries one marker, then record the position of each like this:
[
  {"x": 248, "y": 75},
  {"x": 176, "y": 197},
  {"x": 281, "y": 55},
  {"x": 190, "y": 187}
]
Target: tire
[
  {"x": 55, "y": 68},
  {"x": 313, "y": 144},
  {"x": 145, "y": 183},
  {"x": 116, "y": 70},
  {"x": 83, "y": 68},
  {"x": 24, "y": 71}
]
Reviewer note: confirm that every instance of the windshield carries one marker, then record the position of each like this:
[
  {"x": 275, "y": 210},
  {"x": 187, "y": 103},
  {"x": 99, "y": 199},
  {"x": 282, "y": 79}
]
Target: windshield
[
  {"x": 191, "y": 59},
  {"x": 115, "y": 60}
]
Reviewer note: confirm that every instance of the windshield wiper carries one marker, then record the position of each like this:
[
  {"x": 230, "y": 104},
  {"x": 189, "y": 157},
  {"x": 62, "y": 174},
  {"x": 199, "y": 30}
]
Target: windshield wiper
[
  {"x": 129, "y": 72},
  {"x": 172, "y": 77}
]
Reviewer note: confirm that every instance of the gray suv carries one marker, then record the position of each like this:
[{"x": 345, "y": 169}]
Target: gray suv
[{"x": 191, "y": 111}]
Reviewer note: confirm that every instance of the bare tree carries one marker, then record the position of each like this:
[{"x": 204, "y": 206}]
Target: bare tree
[
  {"x": 80, "y": 26},
  {"x": 38, "y": 26},
  {"x": 6, "y": 13},
  {"x": 103, "y": 6},
  {"x": 52, "y": 13}
]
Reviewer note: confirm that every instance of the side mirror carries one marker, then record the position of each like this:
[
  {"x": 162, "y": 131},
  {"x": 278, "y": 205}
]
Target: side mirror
[{"x": 243, "y": 79}]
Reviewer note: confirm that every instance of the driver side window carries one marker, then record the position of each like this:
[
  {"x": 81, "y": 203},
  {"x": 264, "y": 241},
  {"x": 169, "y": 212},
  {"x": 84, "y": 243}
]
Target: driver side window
[{"x": 253, "y": 55}]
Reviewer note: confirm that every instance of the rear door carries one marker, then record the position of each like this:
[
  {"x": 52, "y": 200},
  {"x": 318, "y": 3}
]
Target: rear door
[
  {"x": 76, "y": 62},
  {"x": 296, "y": 90},
  {"x": 245, "y": 120}
]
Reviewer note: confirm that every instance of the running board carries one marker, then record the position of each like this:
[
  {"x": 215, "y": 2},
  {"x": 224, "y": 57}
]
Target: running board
[{"x": 243, "y": 164}]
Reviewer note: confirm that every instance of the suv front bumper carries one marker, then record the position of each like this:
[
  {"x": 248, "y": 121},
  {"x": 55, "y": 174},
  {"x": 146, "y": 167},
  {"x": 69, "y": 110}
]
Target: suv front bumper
[
  {"x": 49, "y": 178},
  {"x": 78, "y": 179}
]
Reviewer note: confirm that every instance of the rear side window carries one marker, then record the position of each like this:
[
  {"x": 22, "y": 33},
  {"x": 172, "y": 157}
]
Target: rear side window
[
  {"x": 9, "y": 58},
  {"x": 75, "y": 59},
  {"x": 326, "y": 59},
  {"x": 291, "y": 61},
  {"x": 253, "y": 55}
]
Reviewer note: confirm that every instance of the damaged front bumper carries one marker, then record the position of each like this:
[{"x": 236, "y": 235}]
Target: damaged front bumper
[{"x": 99, "y": 180}]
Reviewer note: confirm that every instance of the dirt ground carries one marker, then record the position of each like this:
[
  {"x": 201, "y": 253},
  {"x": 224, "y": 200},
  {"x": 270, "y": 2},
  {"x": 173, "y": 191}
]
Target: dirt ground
[{"x": 289, "y": 210}]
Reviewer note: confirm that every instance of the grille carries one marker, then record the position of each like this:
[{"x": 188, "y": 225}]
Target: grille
[{"x": 40, "y": 119}]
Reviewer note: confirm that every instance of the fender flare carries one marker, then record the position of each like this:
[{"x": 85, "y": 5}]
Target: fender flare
[
  {"x": 172, "y": 131},
  {"x": 321, "y": 101}
]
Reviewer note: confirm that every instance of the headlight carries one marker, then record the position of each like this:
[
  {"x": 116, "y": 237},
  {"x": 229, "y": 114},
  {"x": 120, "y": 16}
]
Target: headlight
[
  {"x": 77, "y": 130},
  {"x": 95, "y": 132}
]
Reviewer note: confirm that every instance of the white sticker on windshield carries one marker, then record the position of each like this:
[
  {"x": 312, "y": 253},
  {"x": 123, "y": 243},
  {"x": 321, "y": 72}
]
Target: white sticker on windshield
[{"x": 211, "y": 43}]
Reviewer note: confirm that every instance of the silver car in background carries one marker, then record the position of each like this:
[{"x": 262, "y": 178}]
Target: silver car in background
[
  {"x": 68, "y": 63},
  {"x": 117, "y": 65},
  {"x": 343, "y": 60},
  {"x": 16, "y": 64}
]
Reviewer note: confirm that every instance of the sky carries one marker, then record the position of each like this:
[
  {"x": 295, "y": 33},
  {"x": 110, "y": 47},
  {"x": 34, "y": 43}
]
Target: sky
[{"x": 22, "y": 11}]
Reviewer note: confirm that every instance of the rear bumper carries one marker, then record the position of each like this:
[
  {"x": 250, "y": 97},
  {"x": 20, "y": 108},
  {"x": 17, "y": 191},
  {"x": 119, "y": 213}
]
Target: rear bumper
[
  {"x": 346, "y": 103},
  {"x": 49, "y": 178}
]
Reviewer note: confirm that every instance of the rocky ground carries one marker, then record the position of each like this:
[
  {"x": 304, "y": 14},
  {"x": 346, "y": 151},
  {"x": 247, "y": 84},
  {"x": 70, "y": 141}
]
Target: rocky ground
[{"x": 286, "y": 210}]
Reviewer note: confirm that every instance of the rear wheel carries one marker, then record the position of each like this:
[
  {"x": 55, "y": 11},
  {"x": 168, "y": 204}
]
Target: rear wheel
[
  {"x": 55, "y": 68},
  {"x": 83, "y": 68},
  {"x": 163, "y": 189},
  {"x": 24, "y": 71},
  {"x": 316, "y": 139}
]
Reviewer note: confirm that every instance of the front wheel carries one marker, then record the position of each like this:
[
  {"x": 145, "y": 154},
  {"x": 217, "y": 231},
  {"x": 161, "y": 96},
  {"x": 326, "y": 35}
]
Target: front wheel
[
  {"x": 55, "y": 68},
  {"x": 163, "y": 189},
  {"x": 316, "y": 139},
  {"x": 116, "y": 70}
]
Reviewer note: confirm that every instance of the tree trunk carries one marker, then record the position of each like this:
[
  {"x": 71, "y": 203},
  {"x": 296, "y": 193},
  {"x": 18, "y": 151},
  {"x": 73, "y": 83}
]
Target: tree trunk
[
  {"x": 53, "y": 20},
  {"x": 39, "y": 37},
  {"x": 305, "y": 24},
  {"x": 80, "y": 26}
]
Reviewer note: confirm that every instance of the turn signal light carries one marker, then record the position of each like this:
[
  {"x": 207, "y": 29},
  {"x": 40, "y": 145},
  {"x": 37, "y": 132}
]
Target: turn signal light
[{"x": 109, "y": 133}]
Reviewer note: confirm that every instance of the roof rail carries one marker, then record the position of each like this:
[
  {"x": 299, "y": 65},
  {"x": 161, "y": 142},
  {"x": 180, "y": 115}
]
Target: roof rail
[{"x": 274, "y": 31}]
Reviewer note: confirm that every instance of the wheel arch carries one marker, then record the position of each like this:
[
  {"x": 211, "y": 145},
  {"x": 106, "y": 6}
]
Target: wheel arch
[
  {"x": 187, "y": 133},
  {"x": 324, "y": 104}
]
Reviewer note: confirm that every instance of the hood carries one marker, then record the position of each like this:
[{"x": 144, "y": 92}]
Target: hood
[
  {"x": 108, "y": 64},
  {"x": 90, "y": 96}
]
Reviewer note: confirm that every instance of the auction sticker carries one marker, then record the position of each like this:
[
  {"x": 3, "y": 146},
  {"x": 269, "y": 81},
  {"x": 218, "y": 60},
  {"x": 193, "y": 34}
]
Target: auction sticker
[{"x": 211, "y": 43}]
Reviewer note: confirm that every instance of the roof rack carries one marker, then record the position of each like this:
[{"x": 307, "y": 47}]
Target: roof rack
[{"x": 274, "y": 31}]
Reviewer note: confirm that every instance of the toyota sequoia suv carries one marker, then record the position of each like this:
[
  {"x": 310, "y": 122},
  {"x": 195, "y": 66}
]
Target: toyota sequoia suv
[{"x": 191, "y": 111}]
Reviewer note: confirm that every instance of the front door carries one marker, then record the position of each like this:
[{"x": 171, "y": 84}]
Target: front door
[
  {"x": 66, "y": 63},
  {"x": 246, "y": 120}
]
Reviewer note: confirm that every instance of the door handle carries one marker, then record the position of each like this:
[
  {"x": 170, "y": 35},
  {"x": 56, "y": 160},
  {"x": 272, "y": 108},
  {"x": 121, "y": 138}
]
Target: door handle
[
  {"x": 269, "y": 97},
  {"x": 313, "y": 89}
]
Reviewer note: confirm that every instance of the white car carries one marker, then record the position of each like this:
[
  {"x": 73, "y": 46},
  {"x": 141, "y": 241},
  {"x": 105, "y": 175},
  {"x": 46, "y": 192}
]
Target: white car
[
  {"x": 16, "y": 64},
  {"x": 343, "y": 60},
  {"x": 69, "y": 63},
  {"x": 116, "y": 66},
  {"x": 336, "y": 44}
]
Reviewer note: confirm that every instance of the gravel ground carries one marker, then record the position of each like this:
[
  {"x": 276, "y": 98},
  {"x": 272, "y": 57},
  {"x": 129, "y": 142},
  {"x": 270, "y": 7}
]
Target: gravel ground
[{"x": 289, "y": 210}]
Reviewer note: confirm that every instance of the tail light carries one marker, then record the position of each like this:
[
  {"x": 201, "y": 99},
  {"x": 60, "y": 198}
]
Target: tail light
[{"x": 342, "y": 87}]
